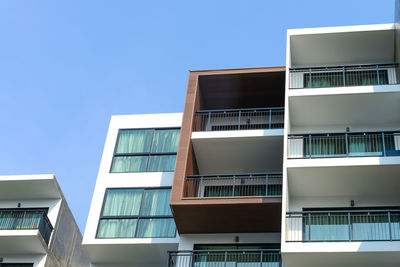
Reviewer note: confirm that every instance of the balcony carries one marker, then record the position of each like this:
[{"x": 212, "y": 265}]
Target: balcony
[
  {"x": 343, "y": 226},
  {"x": 239, "y": 119},
  {"x": 233, "y": 185},
  {"x": 26, "y": 220},
  {"x": 349, "y": 144},
  {"x": 27, "y": 231},
  {"x": 227, "y": 258},
  {"x": 225, "y": 140},
  {"x": 342, "y": 76}
]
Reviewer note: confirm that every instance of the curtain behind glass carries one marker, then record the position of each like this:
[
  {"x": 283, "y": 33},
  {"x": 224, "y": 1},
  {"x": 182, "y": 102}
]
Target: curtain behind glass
[
  {"x": 134, "y": 141},
  {"x": 326, "y": 228},
  {"x": 162, "y": 163},
  {"x": 117, "y": 228},
  {"x": 166, "y": 141},
  {"x": 29, "y": 220},
  {"x": 366, "y": 77},
  {"x": 370, "y": 226},
  {"x": 325, "y": 146},
  {"x": 156, "y": 202},
  {"x": 130, "y": 164},
  {"x": 120, "y": 202},
  {"x": 323, "y": 79},
  {"x": 156, "y": 228},
  {"x": 365, "y": 145},
  {"x": 395, "y": 225}
]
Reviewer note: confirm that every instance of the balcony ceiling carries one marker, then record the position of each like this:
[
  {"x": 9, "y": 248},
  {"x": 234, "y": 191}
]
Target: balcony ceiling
[
  {"x": 250, "y": 90},
  {"x": 242, "y": 153},
  {"x": 350, "y": 181},
  {"x": 21, "y": 241},
  {"x": 342, "y": 48},
  {"x": 362, "y": 111},
  {"x": 29, "y": 187},
  {"x": 142, "y": 254}
]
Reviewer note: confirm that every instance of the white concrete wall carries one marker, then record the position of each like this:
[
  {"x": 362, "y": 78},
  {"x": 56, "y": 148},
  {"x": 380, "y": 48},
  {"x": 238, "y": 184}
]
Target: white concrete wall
[
  {"x": 298, "y": 203},
  {"x": 188, "y": 241},
  {"x": 342, "y": 128},
  {"x": 105, "y": 179}
]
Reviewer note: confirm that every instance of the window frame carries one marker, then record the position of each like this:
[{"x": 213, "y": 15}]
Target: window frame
[
  {"x": 143, "y": 154},
  {"x": 137, "y": 217}
]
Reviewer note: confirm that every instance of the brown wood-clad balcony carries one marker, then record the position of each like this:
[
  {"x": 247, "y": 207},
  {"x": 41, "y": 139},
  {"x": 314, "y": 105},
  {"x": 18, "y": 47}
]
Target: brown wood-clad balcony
[{"x": 233, "y": 201}]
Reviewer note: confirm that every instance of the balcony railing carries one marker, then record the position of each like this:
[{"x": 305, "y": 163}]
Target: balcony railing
[
  {"x": 343, "y": 226},
  {"x": 226, "y": 258},
  {"x": 239, "y": 119},
  {"x": 349, "y": 144},
  {"x": 340, "y": 76},
  {"x": 234, "y": 185},
  {"x": 26, "y": 220}
]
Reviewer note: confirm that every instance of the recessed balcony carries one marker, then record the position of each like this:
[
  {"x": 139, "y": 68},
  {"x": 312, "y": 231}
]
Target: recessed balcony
[
  {"x": 227, "y": 258},
  {"x": 344, "y": 76},
  {"x": 348, "y": 144},
  {"x": 343, "y": 226},
  {"x": 25, "y": 230},
  {"x": 224, "y": 141},
  {"x": 342, "y": 238},
  {"x": 233, "y": 185},
  {"x": 239, "y": 119}
]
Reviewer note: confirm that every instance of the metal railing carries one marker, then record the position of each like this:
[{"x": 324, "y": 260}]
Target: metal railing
[
  {"x": 239, "y": 119},
  {"x": 26, "y": 220},
  {"x": 348, "y": 144},
  {"x": 234, "y": 185},
  {"x": 343, "y": 226},
  {"x": 340, "y": 76},
  {"x": 224, "y": 258}
]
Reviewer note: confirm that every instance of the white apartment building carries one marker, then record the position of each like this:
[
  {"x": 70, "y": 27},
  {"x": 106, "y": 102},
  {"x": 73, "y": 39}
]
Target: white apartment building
[
  {"x": 37, "y": 228},
  {"x": 275, "y": 166},
  {"x": 341, "y": 167},
  {"x": 130, "y": 222}
]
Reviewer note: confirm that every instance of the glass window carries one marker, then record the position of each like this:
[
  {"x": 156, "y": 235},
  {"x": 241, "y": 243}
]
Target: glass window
[
  {"x": 136, "y": 212},
  {"x": 156, "y": 202},
  {"x": 146, "y": 150},
  {"x": 117, "y": 228},
  {"x": 130, "y": 164},
  {"x": 166, "y": 141},
  {"x": 156, "y": 228},
  {"x": 134, "y": 141},
  {"x": 162, "y": 163},
  {"x": 121, "y": 202}
]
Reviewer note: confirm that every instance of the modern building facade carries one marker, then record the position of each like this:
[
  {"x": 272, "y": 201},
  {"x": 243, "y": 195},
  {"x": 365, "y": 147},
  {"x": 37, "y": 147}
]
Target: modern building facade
[
  {"x": 342, "y": 146},
  {"x": 273, "y": 166},
  {"x": 130, "y": 222},
  {"x": 37, "y": 228}
]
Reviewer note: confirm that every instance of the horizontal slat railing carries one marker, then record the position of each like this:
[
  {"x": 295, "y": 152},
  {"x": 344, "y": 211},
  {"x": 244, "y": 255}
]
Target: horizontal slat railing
[
  {"x": 234, "y": 185},
  {"x": 343, "y": 226},
  {"x": 349, "y": 144},
  {"x": 26, "y": 220},
  {"x": 226, "y": 258},
  {"x": 340, "y": 76},
  {"x": 239, "y": 119}
]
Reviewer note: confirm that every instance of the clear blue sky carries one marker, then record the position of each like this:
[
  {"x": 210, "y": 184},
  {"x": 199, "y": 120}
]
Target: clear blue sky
[{"x": 67, "y": 66}]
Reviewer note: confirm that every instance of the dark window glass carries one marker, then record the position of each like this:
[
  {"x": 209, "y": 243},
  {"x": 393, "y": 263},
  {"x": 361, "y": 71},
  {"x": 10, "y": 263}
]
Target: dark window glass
[
  {"x": 146, "y": 150},
  {"x": 133, "y": 212}
]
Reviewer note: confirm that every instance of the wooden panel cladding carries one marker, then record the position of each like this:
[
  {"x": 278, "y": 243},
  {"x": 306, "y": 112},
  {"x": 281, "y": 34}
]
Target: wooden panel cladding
[{"x": 249, "y": 214}]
